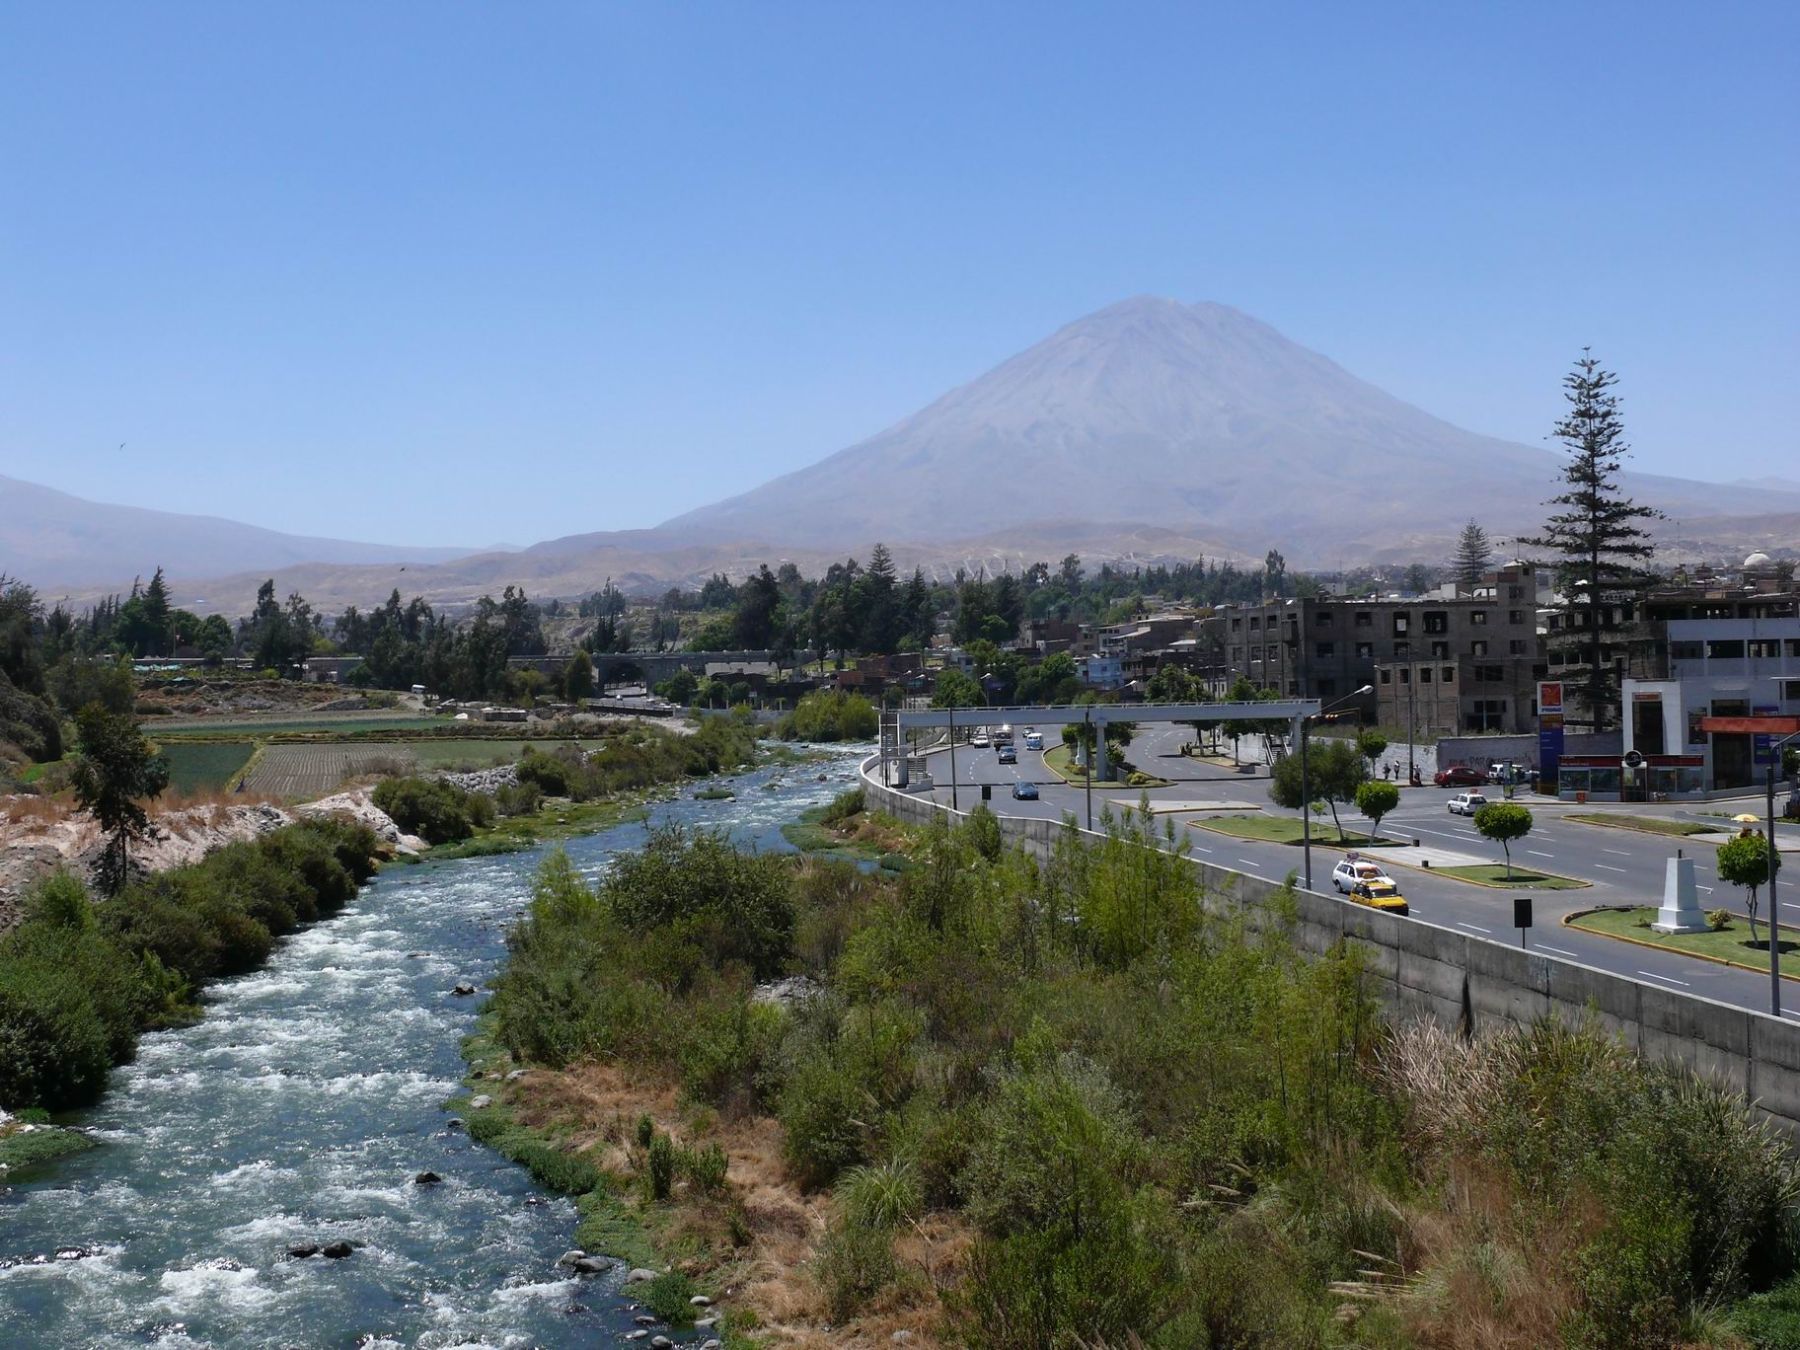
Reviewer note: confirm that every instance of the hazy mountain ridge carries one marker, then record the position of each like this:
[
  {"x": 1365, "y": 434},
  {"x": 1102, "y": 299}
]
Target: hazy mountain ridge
[{"x": 59, "y": 541}]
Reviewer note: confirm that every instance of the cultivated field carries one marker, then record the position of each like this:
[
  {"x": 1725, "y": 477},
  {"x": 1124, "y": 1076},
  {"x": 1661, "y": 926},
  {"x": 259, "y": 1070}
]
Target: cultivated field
[
  {"x": 205, "y": 765},
  {"x": 302, "y": 771}
]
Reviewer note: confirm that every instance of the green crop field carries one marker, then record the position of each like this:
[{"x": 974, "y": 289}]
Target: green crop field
[
  {"x": 205, "y": 765},
  {"x": 260, "y": 724}
]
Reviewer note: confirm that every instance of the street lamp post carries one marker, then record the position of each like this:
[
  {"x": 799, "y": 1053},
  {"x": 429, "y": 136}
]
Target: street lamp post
[
  {"x": 1306, "y": 782},
  {"x": 1412, "y": 719},
  {"x": 1774, "y": 862}
]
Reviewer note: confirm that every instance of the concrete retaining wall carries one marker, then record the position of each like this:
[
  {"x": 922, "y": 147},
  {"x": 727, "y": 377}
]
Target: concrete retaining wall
[{"x": 1474, "y": 983}]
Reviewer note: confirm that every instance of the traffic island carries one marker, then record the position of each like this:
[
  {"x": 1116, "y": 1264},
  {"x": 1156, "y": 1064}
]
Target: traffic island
[
  {"x": 1286, "y": 830},
  {"x": 1059, "y": 760},
  {"x": 1497, "y": 876},
  {"x": 1680, "y": 829},
  {"x": 1728, "y": 945}
]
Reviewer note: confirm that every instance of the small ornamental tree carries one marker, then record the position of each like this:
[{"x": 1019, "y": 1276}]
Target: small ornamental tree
[
  {"x": 1372, "y": 745},
  {"x": 1747, "y": 861},
  {"x": 116, "y": 772},
  {"x": 1503, "y": 822},
  {"x": 1375, "y": 799},
  {"x": 1334, "y": 771}
]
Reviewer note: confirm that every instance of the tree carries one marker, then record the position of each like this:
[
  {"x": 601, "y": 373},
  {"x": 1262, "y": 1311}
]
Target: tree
[
  {"x": 957, "y": 690},
  {"x": 1334, "y": 771},
  {"x": 753, "y": 626},
  {"x": 1371, "y": 745},
  {"x": 578, "y": 679},
  {"x": 1503, "y": 822},
  {"x": 1473, "y": 556},
  {"x": 1375, "y": 799},
  {"x": 116, "y": 772},
  {"x": 1747, "y": 861},
  {"x": 1597, "y": 537},
  {"x": 1275, "y": 573}
]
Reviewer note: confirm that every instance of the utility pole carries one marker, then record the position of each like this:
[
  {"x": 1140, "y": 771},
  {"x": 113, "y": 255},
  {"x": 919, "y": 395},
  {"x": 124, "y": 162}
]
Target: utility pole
[
  {"x": 1412, "y": 720},
  {"x": 953, "y": 759},
  {"x": 1775, "y": 862}
]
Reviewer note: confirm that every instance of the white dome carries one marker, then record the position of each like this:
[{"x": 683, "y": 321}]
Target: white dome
[{"x": 1758, "y": 559}]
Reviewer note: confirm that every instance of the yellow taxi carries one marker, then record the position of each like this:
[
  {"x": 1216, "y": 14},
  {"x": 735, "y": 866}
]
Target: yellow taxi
[{"x": 1379, "y": 893}]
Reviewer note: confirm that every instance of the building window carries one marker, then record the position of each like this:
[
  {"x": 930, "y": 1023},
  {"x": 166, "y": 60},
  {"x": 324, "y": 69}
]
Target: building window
[
  {"x": 1764, "y": 649},
  {"x": 1725, "y": 649},
  {"x": 1324, "y": 618},
  {"x": 1440, "y": 650},
  {"x": 1255, "y": 623},
  {"x": 1478, "y": 616},
  {"x": 1514, "y": 592},
  {"x": 1387, "y": 676},
  {"x": 1402, "y": 650},
  {"x": 1515, "y": 617},
  {"x": 1325, "y": 649},
  {"x": 1478, "y": 647},
  {"x": 1793, "y": 646},
  {"x": 1486, "y": 714},
  {"x": 1400, "y": 624},
  {"x": 1237, "y": 654},
  {"x": 1791, "y": 692},
  {"x": 1405, "y": 675},
  {"x": 1424, "y": 674},
  {"x": 1237, "y": 625},
  {"x": 1293, "y": 689},
  {"x": 1516, "y": 647},
  {"x": 1365, "y": 651},
  {"x": 1437, "y": 622},
  {"x": 1490, "y": 674},
  {"x": 1364, "y": 619},
  {"x": 1449, "y": 675},
  {"x": 1256, "y": 653}
]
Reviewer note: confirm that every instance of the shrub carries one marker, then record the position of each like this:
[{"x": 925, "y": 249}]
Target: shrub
[
  {"x": 821, "y": 1103},
  {"x": 667, "y": 1297},
  {"x": 882, "y": 1196},
  {"x": 830, "y": 715},
  {"x": 983, "y": 830},
  {"x": 1718, "y": 919},
  {"x": 842, "y": 807},
  {"x": 854, "y": 1263},
  {"x": 436, "y": 811},
  {"x": 561, "y": 774},
  {"x": 519, "y": 799},
  {"x": 646, "y": 1130},
  {"x": 54, "y": 1049},
  {"x": 659, "y": 1173},
  {"x": 706, "y": 1168}
]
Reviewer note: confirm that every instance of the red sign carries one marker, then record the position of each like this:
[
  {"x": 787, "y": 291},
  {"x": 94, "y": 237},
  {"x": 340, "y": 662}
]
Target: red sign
[{"x": 1550, "y": 696}]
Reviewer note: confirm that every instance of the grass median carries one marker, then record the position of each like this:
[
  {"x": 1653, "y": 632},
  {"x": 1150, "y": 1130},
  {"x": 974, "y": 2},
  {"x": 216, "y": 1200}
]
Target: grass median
[
  {"x": 1286, "y": 830},
  {"x": 1059, "y": 760},
  {"x": 1496, "y": 874},
  {"x": 1644, "y": 824},
  {"x": 1731, "y": 944}
]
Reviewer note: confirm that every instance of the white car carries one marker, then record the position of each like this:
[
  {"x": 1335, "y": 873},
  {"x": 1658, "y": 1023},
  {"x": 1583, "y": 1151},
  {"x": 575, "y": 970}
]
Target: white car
[
  {"x": 1033, "y": 741},
  {"x": 1467, "y": 803},
  {"x": 1354, "y": 869},
  {"x": 979, "y": 740}
]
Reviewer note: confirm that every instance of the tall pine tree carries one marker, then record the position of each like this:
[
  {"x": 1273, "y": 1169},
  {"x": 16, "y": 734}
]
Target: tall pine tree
[
  {"x": 1597, "y": 537},
  {"x": 1473, "y": 555}
]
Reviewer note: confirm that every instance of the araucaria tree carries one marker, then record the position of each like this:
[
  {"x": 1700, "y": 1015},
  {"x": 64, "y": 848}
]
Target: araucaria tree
[
  {"x": 1473, "y": 555},
  {"x": 1597, "y": 535},
  {"x": 116, "y": 772}
]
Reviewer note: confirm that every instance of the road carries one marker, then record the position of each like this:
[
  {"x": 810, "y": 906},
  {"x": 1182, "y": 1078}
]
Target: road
[{"x": 1624, "y": 867}]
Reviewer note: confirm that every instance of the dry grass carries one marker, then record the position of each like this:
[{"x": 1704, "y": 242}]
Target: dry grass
[
  {"x": 27, "y": 807},
  {"x": 597, "y": 1106}
]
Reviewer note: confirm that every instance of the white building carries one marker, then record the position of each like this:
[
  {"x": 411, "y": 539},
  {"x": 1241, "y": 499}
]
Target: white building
[
  {"x": 1720, "y": 668},
  {"x": 1101, "y": 672}
]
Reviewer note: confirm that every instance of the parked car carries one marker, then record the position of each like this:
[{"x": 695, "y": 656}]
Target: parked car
[
  {"x": 1353, "y": 869},
  {"x": 1025, "y": 792},
  {"x": 1008, "y": 755},
  {"x": 1382, "y": 894},
  {"x": 1467, "y": 803},
  {"x": 1458, "y": 775}
]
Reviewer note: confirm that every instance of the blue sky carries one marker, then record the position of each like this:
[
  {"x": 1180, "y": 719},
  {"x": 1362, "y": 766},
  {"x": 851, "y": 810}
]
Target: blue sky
[{"x": 553, "y": 268}]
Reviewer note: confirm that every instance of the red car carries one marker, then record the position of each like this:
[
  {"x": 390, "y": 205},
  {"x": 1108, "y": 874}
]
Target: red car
[{"x": 1458, "y": 775}]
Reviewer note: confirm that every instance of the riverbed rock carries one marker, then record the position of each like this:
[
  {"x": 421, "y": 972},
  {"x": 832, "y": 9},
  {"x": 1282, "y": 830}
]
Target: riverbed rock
[
  {"x": 570, "y": 1257},
  {"x": 454, "y": 1123},
  {"x": 700, "y": 1301},
  {"x": 303, "y": 1250},
  {"x": 337, "y": 1251},
  {"x": 463, "y": 990},
  {"x": 479, "y": 1101},
  {"x": 638, "y": 1275},
  {"x": 427, "y": 1179},
  {"x": 515, "y": 1075},
  {"x": 594, "y": 1265},
  {"x": 660, "y": 1343},
  {"x": 646, "y": 1320},
  {"x": 789, "y": 993}
]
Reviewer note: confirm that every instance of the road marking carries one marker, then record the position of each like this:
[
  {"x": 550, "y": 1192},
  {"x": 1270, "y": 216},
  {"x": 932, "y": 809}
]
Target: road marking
[
  {"x": 1198, "y": 849},
  {"x": 1707, "y": 889},
  {"x": 1534, "y": 853},
  {"x": 1654, "y": 976},
  {"x": 1789, "y": 1012},
  {"x": 1546, "y": 947},
  {"x": 1618, "y": 852},
  {"x": 1610, "y": 868},
  {"x": 1477, "y": 927},
  {"x": 1248, "y": 862}
]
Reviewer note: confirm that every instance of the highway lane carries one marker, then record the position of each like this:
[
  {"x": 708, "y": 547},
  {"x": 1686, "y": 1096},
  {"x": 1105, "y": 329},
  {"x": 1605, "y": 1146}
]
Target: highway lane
[{"x": 1624, "y": 867}]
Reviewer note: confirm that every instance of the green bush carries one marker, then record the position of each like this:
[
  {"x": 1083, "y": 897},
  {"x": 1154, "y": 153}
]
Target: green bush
[
  {"x": 855, "y": 1262},
  {"x": 706, "y": 1168},
  {"x": 437, "y": 811},
  {"x": 667, "y": 1297},
  {"x": 830, "y": 715},
  {"x": 659, "y": 1169},
  {"x": 519, "y": 799}
]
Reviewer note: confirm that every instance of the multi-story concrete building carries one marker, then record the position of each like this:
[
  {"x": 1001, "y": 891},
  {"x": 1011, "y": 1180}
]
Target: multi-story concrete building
[{"x": 1326, "y": 648}]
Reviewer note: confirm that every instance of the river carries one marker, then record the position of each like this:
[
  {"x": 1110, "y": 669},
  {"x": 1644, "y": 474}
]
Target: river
[{"x": 300, "y": 1109}]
